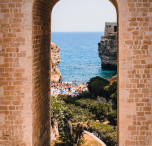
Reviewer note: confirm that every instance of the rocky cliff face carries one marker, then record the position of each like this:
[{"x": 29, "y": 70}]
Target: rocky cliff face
[
  {"x": 55, "y": 60},
  {"x": 107, "y": 47},
  {"x": 54, "y": 130}
]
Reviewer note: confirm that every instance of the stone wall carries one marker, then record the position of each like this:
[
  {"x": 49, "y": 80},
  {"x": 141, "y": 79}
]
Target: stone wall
[
  {"x": 15, "y": 72},
  {"x": 24, "y": 72},
  {"x": 135, "y": 72},
  {"x": 107, "y": 47},
  {"x": 41, "y": 73}
]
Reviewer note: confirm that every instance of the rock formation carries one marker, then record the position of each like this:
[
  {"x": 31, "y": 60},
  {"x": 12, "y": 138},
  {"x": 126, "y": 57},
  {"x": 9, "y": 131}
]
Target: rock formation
[
  {"x": 55, "y": 60},
  {"x": 54, "y": 130},
  {"x": 107, "y": 47}
]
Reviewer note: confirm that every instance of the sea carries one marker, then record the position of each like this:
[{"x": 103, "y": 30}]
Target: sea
[{"x": 79, "y": 56}]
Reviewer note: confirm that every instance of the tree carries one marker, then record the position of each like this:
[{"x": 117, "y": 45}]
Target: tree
[
  {"x": 96, "y": 86},
  {"x": 112, "y": 117}
]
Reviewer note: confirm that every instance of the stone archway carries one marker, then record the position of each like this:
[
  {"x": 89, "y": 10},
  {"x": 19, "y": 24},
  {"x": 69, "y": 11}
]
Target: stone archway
[
  {"x": 41, "y": 44},
  {"x": 41, "y": 71},
  {"x": 24, "y": 80}
]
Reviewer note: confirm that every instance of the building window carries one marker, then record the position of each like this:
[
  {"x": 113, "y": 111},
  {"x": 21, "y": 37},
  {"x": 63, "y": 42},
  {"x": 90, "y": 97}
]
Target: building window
[{"x": 115, "y": 28}]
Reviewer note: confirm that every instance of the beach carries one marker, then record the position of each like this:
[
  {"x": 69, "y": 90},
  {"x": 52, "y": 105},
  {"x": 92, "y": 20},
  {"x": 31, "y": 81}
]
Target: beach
[{"x": 67, "y": 88}]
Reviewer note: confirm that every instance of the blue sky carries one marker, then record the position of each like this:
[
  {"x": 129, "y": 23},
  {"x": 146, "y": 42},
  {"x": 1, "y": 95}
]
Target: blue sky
[{"x": 82, "y": 15}]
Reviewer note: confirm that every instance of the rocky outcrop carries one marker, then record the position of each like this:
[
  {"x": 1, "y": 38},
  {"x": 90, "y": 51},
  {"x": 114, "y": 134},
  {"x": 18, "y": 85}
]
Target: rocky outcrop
[
  {"x": 55, "y": 60},
  {"x": 54, "y": 130},
  {"x": 107, "y": 47}
]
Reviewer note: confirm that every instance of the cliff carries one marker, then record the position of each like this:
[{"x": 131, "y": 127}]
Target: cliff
[
  {"x": 54, "y": 130},
  {"x": 55, "y": 60},
  {"x": 107, "y": 47}
]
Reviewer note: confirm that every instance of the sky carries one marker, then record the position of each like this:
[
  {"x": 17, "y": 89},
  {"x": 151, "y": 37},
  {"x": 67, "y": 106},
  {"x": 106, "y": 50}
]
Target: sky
[{"x": 82, "y": 15}]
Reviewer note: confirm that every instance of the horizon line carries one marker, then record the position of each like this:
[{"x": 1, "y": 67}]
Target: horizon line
[{"x": 76, "y": 31}]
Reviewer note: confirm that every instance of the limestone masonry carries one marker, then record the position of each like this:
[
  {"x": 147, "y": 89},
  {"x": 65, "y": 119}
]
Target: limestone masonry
[
  {"x": 25, "y": 31},
  {"x": 55, "y": 61},
  {"x": 107, "y": 47}
]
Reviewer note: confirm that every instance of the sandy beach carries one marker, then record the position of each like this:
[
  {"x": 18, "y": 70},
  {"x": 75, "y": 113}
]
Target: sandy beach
[{"x": 67, "y": 88}]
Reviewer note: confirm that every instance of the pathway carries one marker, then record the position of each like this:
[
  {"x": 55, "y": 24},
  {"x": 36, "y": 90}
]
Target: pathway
[{"x": 94, "y": 137}]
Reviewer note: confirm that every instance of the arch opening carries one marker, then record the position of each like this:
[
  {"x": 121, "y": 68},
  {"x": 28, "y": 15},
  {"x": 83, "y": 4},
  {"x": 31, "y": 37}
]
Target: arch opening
[{"x": 114, "y": 3}]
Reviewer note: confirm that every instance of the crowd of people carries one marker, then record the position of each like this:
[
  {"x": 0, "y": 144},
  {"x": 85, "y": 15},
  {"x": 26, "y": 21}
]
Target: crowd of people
[{"x": 67, "y": 88}]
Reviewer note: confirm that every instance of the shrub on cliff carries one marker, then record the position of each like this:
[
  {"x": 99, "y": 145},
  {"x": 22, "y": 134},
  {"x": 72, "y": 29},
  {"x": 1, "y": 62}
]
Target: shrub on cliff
[
  {"x": 60, "y": 112},
  {"x": 109, "y": 90},
  {"x": 100, "y": 109},
  {"x": 80, "y": 114},
  {"x": 85, "y": 94},
  {"x": 96, "y": 86},
  {"x": 112, "y": 117},
  {"x": 86, "y": 107},
  {"x": 112, "y": 88},
  {"x": 114, "y": 99}
]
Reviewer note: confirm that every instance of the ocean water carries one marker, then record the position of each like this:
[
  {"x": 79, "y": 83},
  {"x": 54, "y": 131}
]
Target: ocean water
[{"x": 79, "y": 56}]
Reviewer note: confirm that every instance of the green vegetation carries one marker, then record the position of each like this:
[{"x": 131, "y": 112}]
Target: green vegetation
[
  {"x": 96, "y": 86},
  {"x": 106, "y": 132},
  {"x": 112, "y": 117},
  {"x": 61, "y": 113},
  {"x": 101, "y": 109},
  {"x": 84, "y": 108},
  {"x": 102, "y": 88}
]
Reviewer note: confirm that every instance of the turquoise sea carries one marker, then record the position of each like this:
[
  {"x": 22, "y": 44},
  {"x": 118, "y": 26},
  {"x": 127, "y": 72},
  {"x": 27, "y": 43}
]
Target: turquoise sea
[{"x": 79, "y": 56}]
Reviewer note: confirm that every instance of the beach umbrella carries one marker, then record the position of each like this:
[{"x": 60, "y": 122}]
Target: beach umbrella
[
  {"x": 62, "y": 91},
  {"x": 75, "y": 92}
]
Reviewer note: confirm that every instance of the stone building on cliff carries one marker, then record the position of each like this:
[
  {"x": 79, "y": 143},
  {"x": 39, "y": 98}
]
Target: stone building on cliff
[{"x": 107, "y": 47}]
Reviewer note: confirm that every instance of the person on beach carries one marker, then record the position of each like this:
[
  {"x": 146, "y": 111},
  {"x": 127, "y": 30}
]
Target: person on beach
[{"x": 60, "y": 80}]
